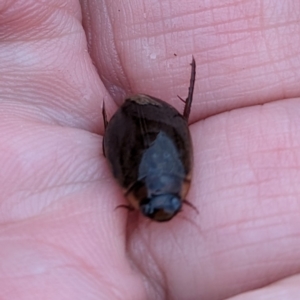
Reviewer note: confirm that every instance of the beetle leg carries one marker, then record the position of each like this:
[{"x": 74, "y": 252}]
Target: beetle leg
[
  {"x": 128, "y": 207},
  {"x": 136, "y": 185},
  {"x": 190, "y": 205},
  {"x": 181, "y": 99},
  {"x": 189, "y": 99},
  {"x": 104, "y": 115},
  {"x": 103, "y": 147},
  {"x": 105, "y": 124}
]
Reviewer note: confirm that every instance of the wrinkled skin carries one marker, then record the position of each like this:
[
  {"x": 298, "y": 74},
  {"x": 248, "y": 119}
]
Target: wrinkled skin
[{"x": 60, "y": 235}]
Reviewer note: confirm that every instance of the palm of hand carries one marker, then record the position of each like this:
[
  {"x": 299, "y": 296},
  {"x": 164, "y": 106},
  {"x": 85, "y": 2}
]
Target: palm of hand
[{"x": 60, "y": 233}]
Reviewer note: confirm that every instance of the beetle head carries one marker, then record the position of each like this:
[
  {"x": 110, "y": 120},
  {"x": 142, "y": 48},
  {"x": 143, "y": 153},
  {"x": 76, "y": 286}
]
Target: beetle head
[{"x": 161, "y": 208}]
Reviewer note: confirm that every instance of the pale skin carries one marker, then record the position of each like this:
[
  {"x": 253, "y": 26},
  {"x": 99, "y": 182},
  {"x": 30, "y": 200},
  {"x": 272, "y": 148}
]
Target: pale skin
[{"x": 60, "y": 235}]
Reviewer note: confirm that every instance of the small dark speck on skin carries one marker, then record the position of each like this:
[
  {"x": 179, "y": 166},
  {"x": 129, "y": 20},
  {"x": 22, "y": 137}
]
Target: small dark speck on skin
[{"x": 175, "y": 54}]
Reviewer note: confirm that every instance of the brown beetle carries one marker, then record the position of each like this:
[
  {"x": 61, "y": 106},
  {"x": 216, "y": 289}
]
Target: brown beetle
[{"x": 148, "y": 145}]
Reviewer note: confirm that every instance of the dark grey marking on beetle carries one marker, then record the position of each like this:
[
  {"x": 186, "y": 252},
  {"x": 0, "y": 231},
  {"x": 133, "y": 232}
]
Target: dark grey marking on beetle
[{"x": 161, "y": 167}]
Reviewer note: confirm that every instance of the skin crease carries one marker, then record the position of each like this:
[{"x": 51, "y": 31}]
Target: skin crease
[{"x": 60, "y": 235}]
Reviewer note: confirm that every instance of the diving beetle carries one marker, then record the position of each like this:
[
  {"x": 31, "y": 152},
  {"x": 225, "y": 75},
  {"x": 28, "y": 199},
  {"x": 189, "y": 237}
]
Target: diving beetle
[{"x": 148, "y": 146}]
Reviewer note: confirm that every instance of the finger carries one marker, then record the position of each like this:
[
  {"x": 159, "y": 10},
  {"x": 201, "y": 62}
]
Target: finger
[
  {"x": 246, "y": 52},
  {"x": 287, "y": 289},
  {"x": 59, "y": 230},
  {"x": 46, "y": 71},
  {"x": 245, "y": 186}
]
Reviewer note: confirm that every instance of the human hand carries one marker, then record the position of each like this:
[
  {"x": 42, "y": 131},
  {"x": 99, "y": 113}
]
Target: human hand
[{"x": 61, "y": 237}]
